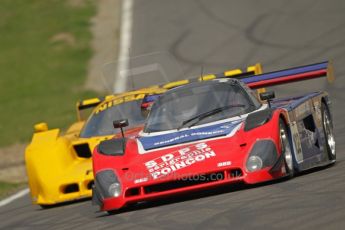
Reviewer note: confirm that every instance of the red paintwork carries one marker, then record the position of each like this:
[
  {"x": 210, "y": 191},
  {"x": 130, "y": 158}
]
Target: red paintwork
[{"x": 235, "y": 149}]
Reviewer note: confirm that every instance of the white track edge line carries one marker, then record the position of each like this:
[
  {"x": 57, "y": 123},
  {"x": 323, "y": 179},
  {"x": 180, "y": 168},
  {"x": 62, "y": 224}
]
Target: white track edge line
[
  {"x": 14, "y": 197},
  {"x": 124, "y": 47}
]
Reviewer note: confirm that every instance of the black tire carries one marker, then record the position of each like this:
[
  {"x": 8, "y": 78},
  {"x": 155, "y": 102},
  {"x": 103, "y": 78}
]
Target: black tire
[
  {"x": 327, "y": 126},
  {"x": 112, "y": 212},
  {"x": 286, "y": 149}
]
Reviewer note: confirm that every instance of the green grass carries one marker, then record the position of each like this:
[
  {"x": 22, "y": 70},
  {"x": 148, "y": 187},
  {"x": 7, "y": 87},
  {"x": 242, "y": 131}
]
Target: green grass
[
  {"x": 41, "y": 79},
  {"x": 8, "y": 188}
]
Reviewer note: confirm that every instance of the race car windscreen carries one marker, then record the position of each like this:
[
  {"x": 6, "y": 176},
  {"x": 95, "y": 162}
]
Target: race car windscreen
[
  {"x": 101, "y": 123},
  {"x": 197, "y": 104}
]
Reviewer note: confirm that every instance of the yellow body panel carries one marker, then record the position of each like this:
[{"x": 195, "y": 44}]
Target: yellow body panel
[
  {"x": 232, "y": 72},
  {"x": 53, "y": 164},
  {"x": 55, "y": 171},
  {"x": 207, "y": 77},
  {"x": 330, "y": 73}
]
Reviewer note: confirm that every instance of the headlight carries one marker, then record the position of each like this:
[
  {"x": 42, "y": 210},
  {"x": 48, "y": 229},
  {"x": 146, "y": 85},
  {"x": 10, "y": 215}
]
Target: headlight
[
  {"x": 114, "y": 190},
  {"x": 254, "y": 163},
  {"x": 108, "y": 184},
  {"x": 263, "y": 154}
]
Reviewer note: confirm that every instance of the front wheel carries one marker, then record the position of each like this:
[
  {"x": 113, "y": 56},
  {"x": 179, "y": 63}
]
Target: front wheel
[{"x": 286, "y": 149}]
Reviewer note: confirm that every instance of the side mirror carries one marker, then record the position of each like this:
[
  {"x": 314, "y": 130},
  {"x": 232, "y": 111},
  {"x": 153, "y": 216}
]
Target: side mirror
[
  {"x": 120, "y": 124},
  {"x": 41, "y": 127},
  {"x": 267, "y": 96}
]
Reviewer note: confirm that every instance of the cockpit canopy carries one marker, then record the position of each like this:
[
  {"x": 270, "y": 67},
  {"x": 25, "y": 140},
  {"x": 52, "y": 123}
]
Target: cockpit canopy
[{"x": 200, "y": 103}]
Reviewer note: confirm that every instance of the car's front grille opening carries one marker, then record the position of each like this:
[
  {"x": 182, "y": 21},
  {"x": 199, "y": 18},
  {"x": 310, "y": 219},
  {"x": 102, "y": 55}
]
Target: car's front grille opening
[
  {"x": 83, "y": 150},
  {"x": 185, "y": 182},
  {"x": 89, "y": 185},
  {"x": 234, "y": 173},
  {"x": 132, "y": 192},
  {"x": 70, "y": 188}
]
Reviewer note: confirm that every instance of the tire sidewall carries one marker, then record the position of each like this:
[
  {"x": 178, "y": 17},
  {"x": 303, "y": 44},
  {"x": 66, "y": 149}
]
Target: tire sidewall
[
  {"x": 289, "y": 172},
  {"x": 324, "y": 108}
]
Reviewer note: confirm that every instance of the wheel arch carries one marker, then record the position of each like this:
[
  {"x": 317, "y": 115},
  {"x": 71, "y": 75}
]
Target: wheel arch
[{"x": 284, "y": 116}]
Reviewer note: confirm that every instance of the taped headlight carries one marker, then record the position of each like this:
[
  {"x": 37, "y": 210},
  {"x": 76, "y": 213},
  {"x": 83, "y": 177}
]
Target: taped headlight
[
  {"x": 108, "y": 184},
  {"x": 254, "y": 163},
  {"x": 114, "y": 190},
  {"x": 263, "y": 154}
]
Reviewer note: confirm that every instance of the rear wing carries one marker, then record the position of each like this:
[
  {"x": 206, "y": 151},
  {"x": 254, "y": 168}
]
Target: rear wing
[
  {"x": 85, "y": 107},
  {"x": 323, "y": 69},
  {"x": 235, "y": 73}
]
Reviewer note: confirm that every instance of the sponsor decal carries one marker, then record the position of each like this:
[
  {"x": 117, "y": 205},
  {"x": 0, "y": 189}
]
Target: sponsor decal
[
  {"x": 188, "y": 135},
  {"x": 141, "y": 180},
  {"x": 225, "y": 163},
  {"x": 118, "y": 101},
  {"x": 179, "y": 159}
]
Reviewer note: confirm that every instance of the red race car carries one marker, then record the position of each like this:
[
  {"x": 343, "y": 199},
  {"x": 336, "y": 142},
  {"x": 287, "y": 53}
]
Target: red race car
[{"x": 209, "y": 133}]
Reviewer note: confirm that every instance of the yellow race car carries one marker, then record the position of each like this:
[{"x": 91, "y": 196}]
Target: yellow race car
[{"x": 59, "y": 167}]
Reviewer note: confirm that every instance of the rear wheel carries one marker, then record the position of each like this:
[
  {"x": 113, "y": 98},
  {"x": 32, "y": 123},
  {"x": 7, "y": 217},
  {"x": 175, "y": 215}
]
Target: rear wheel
[
  {"x": 286, "y": 149},
  {"x": 328, "y": 132}
]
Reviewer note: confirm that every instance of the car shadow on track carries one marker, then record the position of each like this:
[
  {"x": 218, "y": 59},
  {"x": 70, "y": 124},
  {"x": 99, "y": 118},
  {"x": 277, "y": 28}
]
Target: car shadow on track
[
  {"x": 46, "y": 207},
  {"x": 222, "y": 189}
]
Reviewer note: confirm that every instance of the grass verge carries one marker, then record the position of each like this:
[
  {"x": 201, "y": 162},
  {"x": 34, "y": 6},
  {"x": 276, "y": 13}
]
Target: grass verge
[
  {"x": 45, "y": 48},
  {"x": 7, "y": 188}
]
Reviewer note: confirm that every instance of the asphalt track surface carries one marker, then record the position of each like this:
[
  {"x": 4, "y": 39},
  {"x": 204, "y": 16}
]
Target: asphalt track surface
[{"x": 219, "y": 34}]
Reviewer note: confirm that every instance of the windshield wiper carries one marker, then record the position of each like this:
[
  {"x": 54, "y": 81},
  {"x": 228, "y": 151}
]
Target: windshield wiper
[{"x": 202, "y": 116}]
